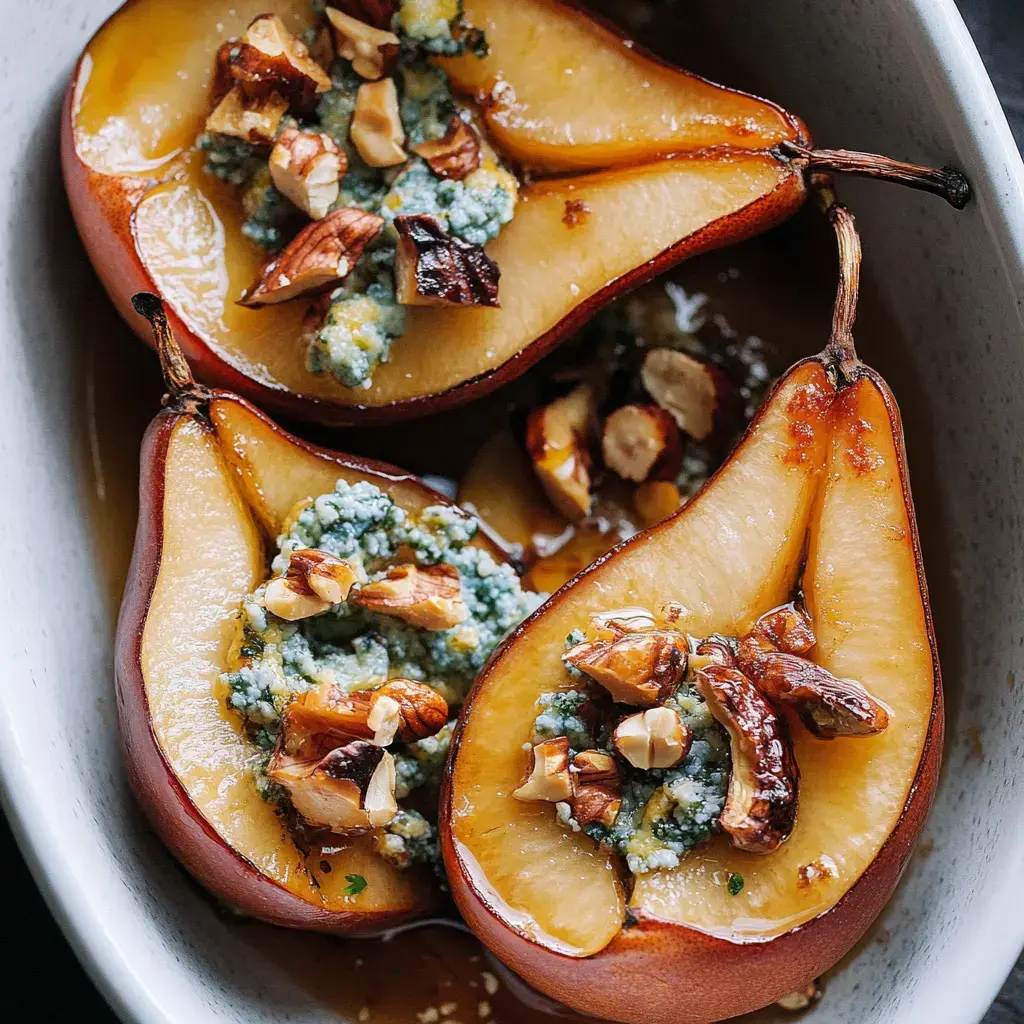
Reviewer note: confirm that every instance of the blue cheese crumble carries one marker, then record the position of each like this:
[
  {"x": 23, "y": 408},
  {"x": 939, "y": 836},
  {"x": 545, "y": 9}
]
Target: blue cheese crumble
[
  {"x": 355, "y": 649},
  {"x": 359, "y": 322}
]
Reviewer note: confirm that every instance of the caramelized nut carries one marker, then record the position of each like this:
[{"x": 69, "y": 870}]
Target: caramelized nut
[
  {"x": 422, "y": 710},
  {"x": 350, "y": 789},
  {"x": 454, "y": 155},
  {"x": 269, "y": 58},
  {"x": 312, "y": 583},
  {"x": 596, "y": 788},
  {"x": 760, "y": 809},
  {"x": 692, "y": 392},
  {"x": 378, "y": 13},
  {"x": 787, "y": 628},
  {"x": 656, "y": 500},
  {"x": 638, "y": 668},
  {"x": 429, "y": 597},
  {"x": 255, "y": 120},
  {"x": 655, "y": 738},
  {"x": 223, "y": 80},
  {"x": 325, "y": 717},
  {"x": 641, "y": 441},
  {"x": 558, "y": 438},
  {"x": 307, "y": 167},
  {"x": 549, "y": 777},
  {"x": 434, "y": 268},
  {"x": 319, "y": 257},
  {"x": 827, "y": 705},
  {"x": 372, "y": 50},
  {"x": 376, "y": 130}
]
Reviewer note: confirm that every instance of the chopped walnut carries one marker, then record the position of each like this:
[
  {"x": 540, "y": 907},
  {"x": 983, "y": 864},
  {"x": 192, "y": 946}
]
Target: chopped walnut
[
  {"x": 596, "y": 788},
  {"x": 434, "y": 268},
  {"x": 422, "y": 711},
  {"x": 548, "y": 779},
  {"x": 376, "y": 130},
  {"x": 312, "y": 583},
  {"x": 802, "y": 998},
  {"x": 319, "y": 257},
  {"x": 786, "y": 628},
  {"x": 326, "y": 717},
  {"x": 307, "y": 167},
  {"x": 694, "y": 393},
  {"x": 455, "y": 154},
  {"x": 638, "y": 668},
  {"x": 760, "y": 809},
  {"x": 223, "y": 80},
  {"x": 254, "y": 119},
  {"x": 558, "y": 439},
  {"x": 429, "y": 597},
  {"x": 373, "y": 51},
  {"x": 827, "y": 705},
  {"x": 655, "y": 738},
  {"x": 378, "y": 13},
  {"x": 269, "y": 58},
  {"x": 641, "y": 441},
  {"x": 349, "y": 789}
]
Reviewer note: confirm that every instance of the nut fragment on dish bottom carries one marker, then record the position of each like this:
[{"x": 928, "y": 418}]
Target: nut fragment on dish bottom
[
  {"x": 640, "y": 440},
  {"x": 802, "y": 998}
]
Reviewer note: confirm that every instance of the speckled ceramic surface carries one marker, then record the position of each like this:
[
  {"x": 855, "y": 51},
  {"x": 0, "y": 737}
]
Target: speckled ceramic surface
[{"x": 893, "y": 75}]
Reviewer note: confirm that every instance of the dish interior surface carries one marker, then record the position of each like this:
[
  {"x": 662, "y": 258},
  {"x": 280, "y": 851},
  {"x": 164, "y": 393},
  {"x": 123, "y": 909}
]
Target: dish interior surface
[{"x": 939, "y": 321}]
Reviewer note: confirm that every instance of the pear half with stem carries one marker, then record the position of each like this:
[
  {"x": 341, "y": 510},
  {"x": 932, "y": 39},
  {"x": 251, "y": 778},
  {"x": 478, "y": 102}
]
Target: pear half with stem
[
  {"x": 815, "y": 499},
  {"x": 218, "y": 480},
  {"x": 664, "y": 166}
]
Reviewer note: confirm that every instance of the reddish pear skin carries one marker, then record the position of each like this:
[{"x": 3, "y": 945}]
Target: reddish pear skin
[
  {"x": 166, "y": 803},
  {"x": 103, "y": 207},
  {"x": 699, "y": 969}
]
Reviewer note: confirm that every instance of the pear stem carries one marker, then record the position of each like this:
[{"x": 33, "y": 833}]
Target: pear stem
[
  {"x": 947, "y": 182},
  {"x": 181, "y": 385},
  {"x": 840, "y": 350}
]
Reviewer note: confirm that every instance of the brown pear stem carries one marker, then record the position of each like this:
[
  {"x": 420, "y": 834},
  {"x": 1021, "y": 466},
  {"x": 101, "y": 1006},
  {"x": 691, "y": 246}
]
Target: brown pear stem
[
  {"x": 181, "y": 385},
  {"x": 947, "y": 182},
  {"x": 840, "y": 350}
]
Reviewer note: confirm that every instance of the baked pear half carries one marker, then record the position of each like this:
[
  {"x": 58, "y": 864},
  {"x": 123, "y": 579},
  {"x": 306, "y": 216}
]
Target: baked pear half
[
  {"x": 732, "y": 725},
  {"x": 219, "y": 482},
  {"x": 663, "y": 165}
]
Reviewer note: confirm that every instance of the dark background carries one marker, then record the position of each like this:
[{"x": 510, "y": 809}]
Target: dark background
[{"x": 40, "y": 979}]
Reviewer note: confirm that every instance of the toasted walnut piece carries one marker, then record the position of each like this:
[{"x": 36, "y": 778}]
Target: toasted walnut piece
[
  {"x": 576, "y": 212},
  {"x": 350, "y": 789},
  {"x": 787, "y": 628},
  {"x": 641, "y": 441},
  {"x": 596, "y": 787},
  {"x": 322, "y": 47},
  {"x": 223, "y": 80},
  {"x": 308, "y": 167},
  {"x": 802, "y": 998},
  {"x": 558, "y": 439},
  {"x": 422, "y": 710},
  {"x": 255, "y": 120},
  {"x": 373, "y": 51},
  {"x": 713, "y": 650},
  {"x": 655, "y": 738},
  {"x": 378, "y": 13},
  {"x": 549, "y": 775},
  {"x": 376, "y": 130},
  {"x": 313, "y": 581},
  {"x": 319, "y": 257},
  {"x": 269, "y": 57},
  {"x": 827, "y": 705},
  {"x": 760, "y": 809},
  {"x": 425, "y": 596},
  {"x": 638, "y": 668},
  {"x": 325, "y": 717},
  {"x": 455, "y": 154},
  {"x": 434, "y": 268},
  {"x": 692, "y": 392}
]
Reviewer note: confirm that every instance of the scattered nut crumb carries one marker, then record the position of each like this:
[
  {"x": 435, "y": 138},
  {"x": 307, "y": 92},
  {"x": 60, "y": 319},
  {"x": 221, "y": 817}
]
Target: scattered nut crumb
[
  {"x": 974, "y": 739},
  {"x": 926, "y": 848},
  {"x": 491, "y": 984},
  {"x": 364, "y": 1013},
  {"x": 429, "y": 1016},
  {"x": 447, "y": 1009},
  {"x": 483, "y": 1009}
]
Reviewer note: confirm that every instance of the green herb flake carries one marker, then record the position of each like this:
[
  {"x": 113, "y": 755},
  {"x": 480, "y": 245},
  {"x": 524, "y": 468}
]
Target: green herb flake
[
  {"x": 735, "y": 884},
  {"x": 357, "y": 884}
]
